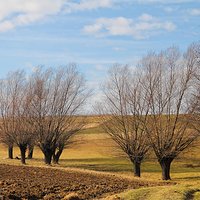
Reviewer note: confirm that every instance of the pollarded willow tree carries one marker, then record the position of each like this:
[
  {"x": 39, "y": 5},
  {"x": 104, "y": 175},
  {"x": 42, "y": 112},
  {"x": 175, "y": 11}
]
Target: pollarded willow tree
[
  {"x": 124, "y": 114},
  {"x": 169, "y": 84},
  {"x": 14, "y": 104},
  {"x": 57, "y": 98},
  {"x": 66, "y": 139}
]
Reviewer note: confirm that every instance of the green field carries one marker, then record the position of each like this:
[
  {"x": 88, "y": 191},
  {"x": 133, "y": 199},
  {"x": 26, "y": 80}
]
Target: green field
[{"x": 94, "y": 150}]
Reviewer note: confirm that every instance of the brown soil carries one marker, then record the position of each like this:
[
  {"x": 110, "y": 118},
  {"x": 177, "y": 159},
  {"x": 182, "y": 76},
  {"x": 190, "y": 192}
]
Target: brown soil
[{"x": 22, "y": 182}]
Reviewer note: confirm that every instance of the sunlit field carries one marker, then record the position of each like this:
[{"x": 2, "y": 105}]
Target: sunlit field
[{"x": 93, "y": 150}]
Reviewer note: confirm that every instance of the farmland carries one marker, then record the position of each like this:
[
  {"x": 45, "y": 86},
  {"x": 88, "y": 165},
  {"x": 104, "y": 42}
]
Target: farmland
[{"x": 94, "y": 153}]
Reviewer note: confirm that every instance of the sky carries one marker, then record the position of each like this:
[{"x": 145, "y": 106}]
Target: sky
[{"x": 94, "y": 34}]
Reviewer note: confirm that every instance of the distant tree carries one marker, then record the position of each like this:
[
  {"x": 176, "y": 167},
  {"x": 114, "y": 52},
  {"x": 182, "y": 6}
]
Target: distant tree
[
  {"x": 6, "y": 139},
  {"x": 124, "y": 114},
  {"x": 57, "y": 98},
  {"x": 13, "y": 106},
  {"x": 30, "y": 150},
  {"x": 169, "y": 84},
  {"x": 5, "y": 135}
]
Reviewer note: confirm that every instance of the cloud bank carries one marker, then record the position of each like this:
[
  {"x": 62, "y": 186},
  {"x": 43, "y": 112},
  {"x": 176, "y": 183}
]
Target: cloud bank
[
  {"x": 14, "y": 13},
  {"x": 140, "y": 28},
  {"x": 88, "y": 5}
]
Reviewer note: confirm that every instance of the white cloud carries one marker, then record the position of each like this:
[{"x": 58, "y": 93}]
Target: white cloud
[
  {"x": 111, "y": 26},
  {"x": 166, "y": 1},
  {"x": 195, "y": 12},
  {"x": 31, "y": 67},
  {"x": 118, "y": 49},
  {"x": 15, "y": 13},
  {"x": 141, "y": 28},
  {"x": 6, "y": 26},
  {"x": 169, "y": 9},
  {"x": 146, "y": 17},
  {"x": 92, "y": 29},
  {"x": 88, "y": 5},
  {"x": 100, "y": 67}
]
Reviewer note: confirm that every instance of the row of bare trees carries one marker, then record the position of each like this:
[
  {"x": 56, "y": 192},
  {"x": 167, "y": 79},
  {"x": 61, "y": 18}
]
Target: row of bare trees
[
  {"x": 41, "y": 109},
  {"x": 155, "y": 106}
]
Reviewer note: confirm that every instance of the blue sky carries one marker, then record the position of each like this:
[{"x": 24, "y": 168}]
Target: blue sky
[{"x": 94, "y": 34}]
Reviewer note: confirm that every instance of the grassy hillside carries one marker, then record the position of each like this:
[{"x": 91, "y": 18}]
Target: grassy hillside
[{"x": 93, "y": 149}]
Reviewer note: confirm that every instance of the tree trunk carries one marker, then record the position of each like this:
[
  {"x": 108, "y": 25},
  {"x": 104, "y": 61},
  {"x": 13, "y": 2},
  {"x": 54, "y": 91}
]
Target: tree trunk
[
  {"x": 137, "y": 168},
  {"x": 48, "y": 158},
  {"x": 136, "y": 165},
  {"x": 56, "y": 156},
  {"x": 165, "y": 164},
  {"x": 48, "y": 153},
  {"x": 23, "y": 153},
  {"x": 10, "y": 151},
  {"x": 30, "y": 152}
]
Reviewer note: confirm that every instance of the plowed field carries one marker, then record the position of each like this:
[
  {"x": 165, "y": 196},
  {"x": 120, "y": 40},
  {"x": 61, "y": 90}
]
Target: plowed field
[{"x": 22, "y": 182}]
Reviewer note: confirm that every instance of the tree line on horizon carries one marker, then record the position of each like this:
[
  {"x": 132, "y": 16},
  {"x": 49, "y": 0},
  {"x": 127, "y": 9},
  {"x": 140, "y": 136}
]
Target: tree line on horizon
[{"x": 155, "y": 105}]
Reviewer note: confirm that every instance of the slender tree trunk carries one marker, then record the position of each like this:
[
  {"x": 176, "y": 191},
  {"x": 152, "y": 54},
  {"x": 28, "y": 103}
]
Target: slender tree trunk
[
  {"x": 10, "y": 151},
  {"x": 23, "y": 153},
  {"x": 165, "y": 164},
  {"x": 137, "y": 168},
  {"x": 30, "y": 152},
  {"x": 136, "y": 165},
  {"x": 56, "y": 156}
]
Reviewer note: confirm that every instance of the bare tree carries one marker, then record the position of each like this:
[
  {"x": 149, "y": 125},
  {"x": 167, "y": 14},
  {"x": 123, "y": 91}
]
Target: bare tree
[
  {"x": 195, "y": 100},
  {"x": 64, "y": 141},
  {"x": 5, "y": 136},
  {"x": 7, "y": 140},
  {"x": 30, "y": 150},
  {"x": 57, "y": 97},
  {"x": 124, "y": 114},
  {"x": 14, "y": 106},
  {"x": 169, "y": 83}
]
